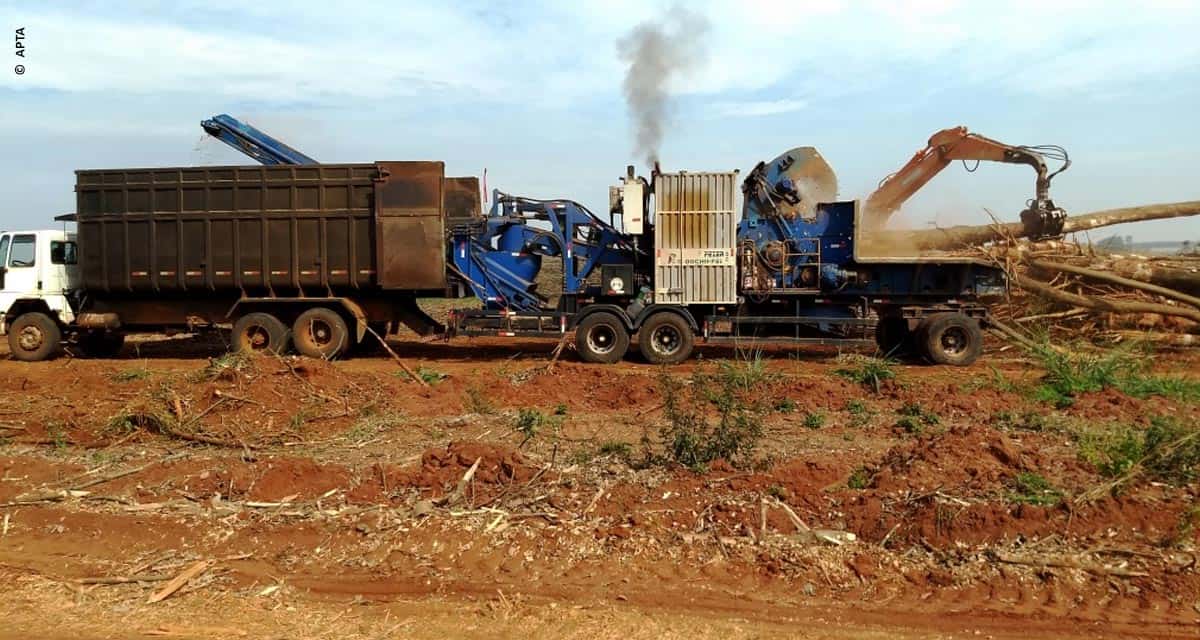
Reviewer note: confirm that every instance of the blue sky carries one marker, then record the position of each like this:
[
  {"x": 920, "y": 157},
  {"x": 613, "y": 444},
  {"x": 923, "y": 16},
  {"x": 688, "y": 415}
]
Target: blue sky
[{"x": 532, "y": 92}]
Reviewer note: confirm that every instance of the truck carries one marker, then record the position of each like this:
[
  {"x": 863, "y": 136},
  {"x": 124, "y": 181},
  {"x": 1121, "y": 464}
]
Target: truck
[
  {"x": 321, "y": 258},
  {"x": 686, "y": 268}
]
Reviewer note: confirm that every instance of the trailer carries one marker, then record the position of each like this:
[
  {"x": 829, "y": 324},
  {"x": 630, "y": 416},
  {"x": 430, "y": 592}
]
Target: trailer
[
  {"x": 686, "y": 268},
  {"x": 318, "y": 257}
]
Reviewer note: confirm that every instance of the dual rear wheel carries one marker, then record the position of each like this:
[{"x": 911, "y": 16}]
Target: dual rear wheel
[
  {"x": 665, "y": 338},
  {"x": 317, "y": 332},
  {"x": 943, "y": 338}
]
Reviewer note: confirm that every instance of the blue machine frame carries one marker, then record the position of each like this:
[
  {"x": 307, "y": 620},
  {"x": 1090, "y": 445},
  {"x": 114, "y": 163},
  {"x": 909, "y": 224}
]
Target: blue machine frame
[
  {"x": 501, "y": 257},
  {"x": 252, "y": 142}
]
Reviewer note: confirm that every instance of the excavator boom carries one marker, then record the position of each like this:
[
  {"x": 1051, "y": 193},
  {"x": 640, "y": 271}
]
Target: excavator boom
[{"x": 948, "y": 145}]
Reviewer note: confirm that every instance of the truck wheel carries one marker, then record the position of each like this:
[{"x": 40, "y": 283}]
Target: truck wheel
[
  {"x": 601, "y": 338},
  {"x": 101, "y": 344},
  {"x": 893, "y": 337},
  {"x": 34, "y": 336},
  {"x": 665, "y": 338},
  {"x": 259, "y": 332},
  {"x": 950, "y": 338},
  {"x": 321, "y": 333}
]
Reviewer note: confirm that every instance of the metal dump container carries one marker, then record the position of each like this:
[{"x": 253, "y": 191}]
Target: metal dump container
[
  {"x": 463, "y": 202},
  {"x": 695, "y": 233},
  {"x": 310, "y": 229}
]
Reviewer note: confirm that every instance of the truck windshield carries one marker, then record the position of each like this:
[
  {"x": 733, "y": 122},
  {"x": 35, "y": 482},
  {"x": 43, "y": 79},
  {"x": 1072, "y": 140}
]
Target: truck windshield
[{"x": 22, "y": 251}]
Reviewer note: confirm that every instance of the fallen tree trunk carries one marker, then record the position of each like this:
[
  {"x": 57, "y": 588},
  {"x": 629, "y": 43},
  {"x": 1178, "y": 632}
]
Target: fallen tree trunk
[
  {"x": 959, "y": 237},
  {"x": 1179, "y": 279},
  {"x": 1115, "y": 279},
  {"x": 1114, "y": 306}
]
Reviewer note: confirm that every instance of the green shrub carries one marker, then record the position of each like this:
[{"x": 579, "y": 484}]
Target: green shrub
[
  {"x": 786, "y": 405},
  {"x": 860, "y": 413},
  {"x": 814, "y": 420},
  {"x": 859, "y": 479},
  {"x": 868, "y": 371},
  {"x": 1032, "y": 488},
  {"x": 691, "y": 437},
  {"x": 914, "y": 418},
  {"x": 1069, "y": 374},
  {"x": 427, "y": 375},
  {"x": 1166, "y": 451},
  {"x": 1189, "y": 523},
  {"x": 531, "y": 422},
  {"x": 747, "y": 372},
  {"x": 614, "y": 448}
]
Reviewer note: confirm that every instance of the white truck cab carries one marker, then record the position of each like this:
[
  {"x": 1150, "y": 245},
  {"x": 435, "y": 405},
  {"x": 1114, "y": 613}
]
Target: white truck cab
[{"x": 38, "y": 271}]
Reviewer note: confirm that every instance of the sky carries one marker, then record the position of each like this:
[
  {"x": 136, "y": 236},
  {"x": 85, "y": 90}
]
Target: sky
[{"x": 531, "y": 91}]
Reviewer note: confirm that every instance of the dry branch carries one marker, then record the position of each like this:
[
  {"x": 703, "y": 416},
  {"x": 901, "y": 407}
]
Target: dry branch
[
  {"x": 403, "y": 367},
  {"x": 1069, "y": 563},
  {"x": 1115, "y": 279},
  {"x": 176, "y": 583},
  {"x": 1102, "y": 304},
  {"x": 460, "y": 491}
]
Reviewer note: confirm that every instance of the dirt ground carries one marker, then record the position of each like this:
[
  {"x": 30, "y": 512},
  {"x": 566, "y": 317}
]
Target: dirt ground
[{"x": 314, "y": 499}]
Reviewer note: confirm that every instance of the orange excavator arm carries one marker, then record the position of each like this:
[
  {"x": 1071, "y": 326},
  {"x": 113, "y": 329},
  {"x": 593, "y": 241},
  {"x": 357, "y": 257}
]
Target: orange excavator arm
[{"x": 948, "y": 145}]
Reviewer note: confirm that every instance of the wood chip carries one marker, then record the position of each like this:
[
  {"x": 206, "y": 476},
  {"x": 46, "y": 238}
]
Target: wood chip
[{"x": 175, "y": 584}]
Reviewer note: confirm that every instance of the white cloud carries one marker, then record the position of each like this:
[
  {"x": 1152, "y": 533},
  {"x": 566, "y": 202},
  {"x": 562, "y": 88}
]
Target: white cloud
[
  {"x": 561, "y": 54},
  {"x": 758, "y": 108}
]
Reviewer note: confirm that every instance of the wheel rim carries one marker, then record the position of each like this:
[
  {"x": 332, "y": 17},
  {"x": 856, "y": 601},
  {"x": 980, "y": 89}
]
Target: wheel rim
[
  {"x": 601, "y": 339},
  {"x": 666, "y": 340},
  {"x": 30, "y": 338},
  {"x": 320, "y": 332},
  {"x": 257, "y": 337},
  {"x": 954, "y": 341}
]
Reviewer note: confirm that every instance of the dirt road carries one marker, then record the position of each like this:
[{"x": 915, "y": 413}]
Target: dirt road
[{"x": 314, "y": 499}]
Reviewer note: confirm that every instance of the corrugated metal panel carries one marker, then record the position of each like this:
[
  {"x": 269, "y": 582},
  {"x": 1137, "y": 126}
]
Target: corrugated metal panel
[{"x": 695, "y": 230}]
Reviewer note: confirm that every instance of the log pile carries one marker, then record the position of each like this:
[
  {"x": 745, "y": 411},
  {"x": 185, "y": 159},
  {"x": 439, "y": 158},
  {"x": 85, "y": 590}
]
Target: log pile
[
  {"x": 1079, "y": 290},
  {"x": 1069, "y": 285}
]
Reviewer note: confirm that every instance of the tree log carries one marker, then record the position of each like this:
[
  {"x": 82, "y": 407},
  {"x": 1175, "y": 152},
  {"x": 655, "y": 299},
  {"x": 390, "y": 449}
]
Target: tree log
[
  {"x": 1104, "y": 276},
  {"x": 957, "y": 237},
  {"x": 1114, "y": 306},
  {"x": 1180, "y": 279}
]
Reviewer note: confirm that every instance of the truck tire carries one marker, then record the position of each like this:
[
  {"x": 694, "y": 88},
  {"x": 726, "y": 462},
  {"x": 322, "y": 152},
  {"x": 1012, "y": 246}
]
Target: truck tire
[
  {"x": 950, "y": 338},
  {"x": 601, "y": 338},
  {"x": 260, "y": 332},
  {"x": 665, "y": 338},
  {"x": 321, "y": 333},
  {"x": 893, "y": 337},
  {"x": 101, "y": 344},
  {"x": 34, "y": 336}
]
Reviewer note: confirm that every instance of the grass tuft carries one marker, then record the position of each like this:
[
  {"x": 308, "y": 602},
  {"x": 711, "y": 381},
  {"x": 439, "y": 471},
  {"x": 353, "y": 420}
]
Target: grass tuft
[
  {"x": 868, "y": 371},
  {"x": 132, "y": 374},
  {"x": 1072, "y": 373},
  {"x": 1032, "y": 488}
]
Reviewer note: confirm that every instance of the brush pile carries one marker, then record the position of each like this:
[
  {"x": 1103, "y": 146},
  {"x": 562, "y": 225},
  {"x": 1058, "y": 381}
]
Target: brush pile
[{"x": 1076, "y": 288}]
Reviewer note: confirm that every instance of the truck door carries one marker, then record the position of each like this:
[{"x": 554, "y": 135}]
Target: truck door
[
  {"x": 4, "y": 240},
  {"x": 20, "y": 266}
]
